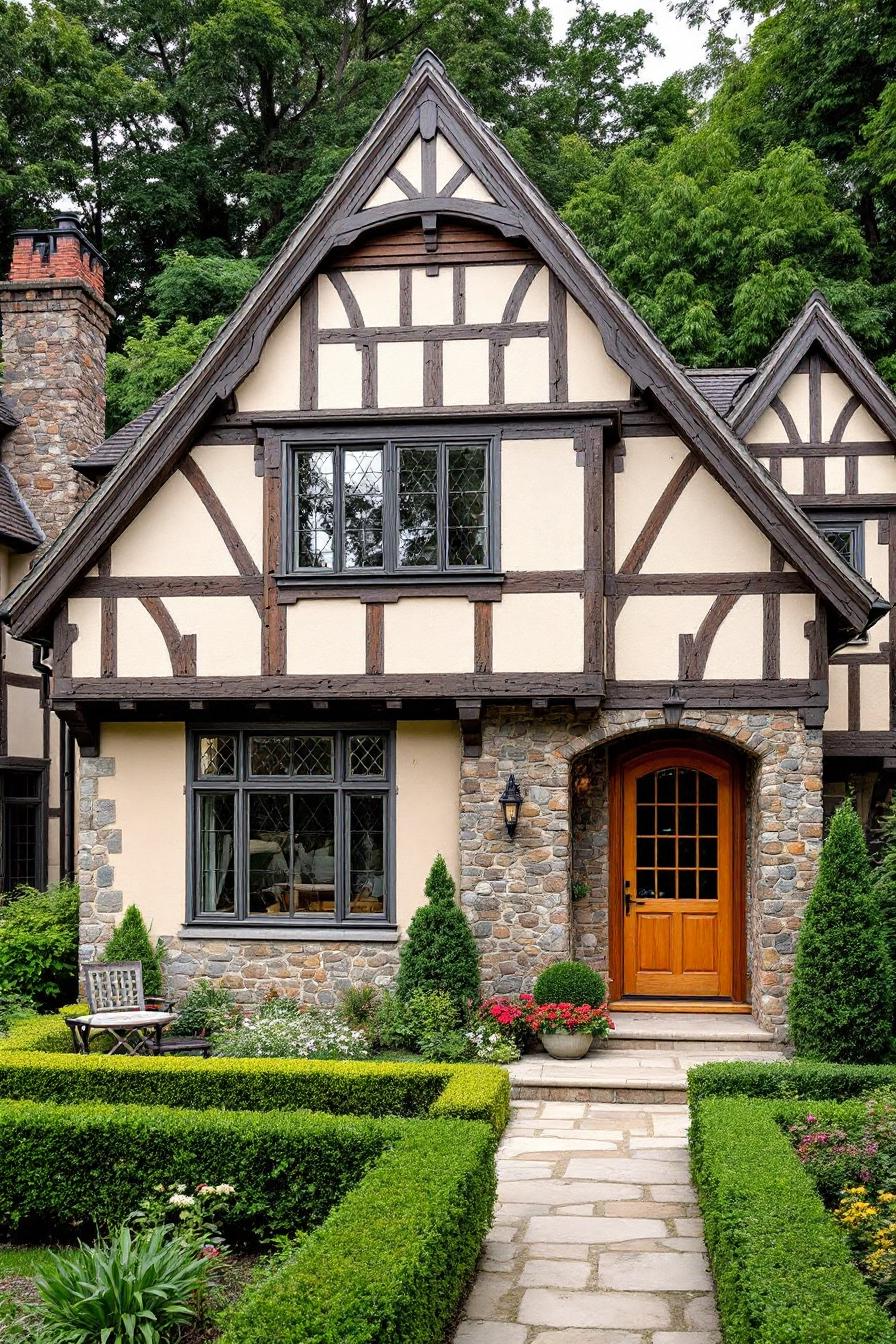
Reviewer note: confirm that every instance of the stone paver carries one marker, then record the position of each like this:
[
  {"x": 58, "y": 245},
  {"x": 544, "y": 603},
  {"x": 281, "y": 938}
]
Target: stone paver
[{"x": 597, "y": 1237}]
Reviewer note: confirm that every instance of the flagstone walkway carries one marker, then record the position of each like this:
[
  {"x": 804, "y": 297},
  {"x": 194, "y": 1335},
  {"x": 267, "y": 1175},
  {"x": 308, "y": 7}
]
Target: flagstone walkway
[{"x": 597, "y": 1237}]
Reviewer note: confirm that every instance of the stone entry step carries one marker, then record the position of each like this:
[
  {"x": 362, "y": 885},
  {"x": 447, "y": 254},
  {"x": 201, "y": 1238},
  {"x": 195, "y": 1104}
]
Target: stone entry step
[
  {"x": 679, "y": 1033},
  {"x": 647, "y": 1063}
]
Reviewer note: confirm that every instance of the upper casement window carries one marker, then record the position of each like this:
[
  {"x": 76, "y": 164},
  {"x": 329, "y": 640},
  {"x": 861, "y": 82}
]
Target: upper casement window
[
  {"x": 847, "y": 536},
  {"x": 401, "y": 508}
]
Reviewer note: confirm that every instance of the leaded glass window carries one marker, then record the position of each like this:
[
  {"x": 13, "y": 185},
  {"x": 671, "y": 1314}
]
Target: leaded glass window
[
  {"x": 392, "y": 508},
  {"x": 296, "y": 825}
]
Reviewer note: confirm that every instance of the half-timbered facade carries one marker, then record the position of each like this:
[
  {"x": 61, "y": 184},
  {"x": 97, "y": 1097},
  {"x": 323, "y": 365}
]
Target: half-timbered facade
[{"x": 436, "y": 507}]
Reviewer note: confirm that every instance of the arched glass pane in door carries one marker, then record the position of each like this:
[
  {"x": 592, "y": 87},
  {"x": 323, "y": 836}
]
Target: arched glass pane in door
[{"x": 677, "y": 835}]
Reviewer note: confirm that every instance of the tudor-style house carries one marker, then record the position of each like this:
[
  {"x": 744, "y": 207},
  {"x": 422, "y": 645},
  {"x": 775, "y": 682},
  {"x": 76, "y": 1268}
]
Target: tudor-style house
[{"x": 434, "y": 508}]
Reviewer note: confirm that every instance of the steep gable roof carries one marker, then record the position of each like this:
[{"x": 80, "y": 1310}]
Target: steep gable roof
[
  {"x": 18, "y": 526},
  {"x": 108, "y": 453},
  {"x": 720, "y": 386},
  {"x": 816, "y": 325},
  {"x": 342, "y": 214}
]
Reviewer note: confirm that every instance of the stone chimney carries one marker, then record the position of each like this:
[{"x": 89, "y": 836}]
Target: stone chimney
[{"x": 54, "y": 327}]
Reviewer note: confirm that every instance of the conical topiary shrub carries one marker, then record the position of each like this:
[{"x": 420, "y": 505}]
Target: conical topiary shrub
[
  {"x": 841, "y": 1000},
  {"x": 440, "y": 951},
  {"x": 885, "y": 882},
  {"x": 131, "y": 942}
]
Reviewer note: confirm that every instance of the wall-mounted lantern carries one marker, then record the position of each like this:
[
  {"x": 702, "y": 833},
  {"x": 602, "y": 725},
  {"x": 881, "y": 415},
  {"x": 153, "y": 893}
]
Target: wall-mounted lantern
[
  {"x": 673, "y": 708},
  {"x": 510, "y": 801}
]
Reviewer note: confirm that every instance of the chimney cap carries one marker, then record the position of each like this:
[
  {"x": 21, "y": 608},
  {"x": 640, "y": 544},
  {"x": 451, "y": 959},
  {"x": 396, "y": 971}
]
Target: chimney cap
[{"x": 68, "y": 223}]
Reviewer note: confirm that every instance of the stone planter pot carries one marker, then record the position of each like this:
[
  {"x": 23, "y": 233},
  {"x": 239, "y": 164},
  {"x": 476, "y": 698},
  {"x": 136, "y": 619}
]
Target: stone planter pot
[{"x": 566, "y": 1045}]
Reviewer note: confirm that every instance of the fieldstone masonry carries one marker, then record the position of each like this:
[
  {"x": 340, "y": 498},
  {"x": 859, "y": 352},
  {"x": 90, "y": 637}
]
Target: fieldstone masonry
[
  {"x": 55, "y": 323},
  {"x": 252, "y": 969},
  {"x": 517, "y": 893}
]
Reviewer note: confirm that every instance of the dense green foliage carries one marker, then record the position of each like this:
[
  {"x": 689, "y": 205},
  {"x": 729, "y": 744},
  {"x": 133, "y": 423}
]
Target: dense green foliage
[
  {"x": 192, "y": 141},
  {"x": 393, "y": 1259},
  {"x": 800, "y": 1079},
  {"x": 65, "y": 1165},
  {"x": 130, "y": 941},
  {"x": 841, "y": 999},
  {"x": 885, "y": 881},
  {"x": 142, "y": 1281},
  {"x": 440, "y": 952},
  {"x": 570, "y": 982},
  {"x": 781, "y": 1265},
  {"x": 33, "y": 1067},
  {"x": 39, "y": 945},
  {"x": 205, "y": 1008}
]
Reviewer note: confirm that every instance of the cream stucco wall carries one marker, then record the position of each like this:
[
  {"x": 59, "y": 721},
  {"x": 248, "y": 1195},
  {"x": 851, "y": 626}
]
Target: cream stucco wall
[
  {"x": 656, "y": 658},
  {"x": 592, "y": 375},
  {"x": 874, "y": 697},
  {"x": 25, "y": 726},
  {"x": 835, "y": 475},
  {"x": 428, "y": 634},
  {"x": 542, "y": 505},
  {"x": 230, "y": 471},
  {"x": 736, "y": 651},
  {"x": 142, "y": 651},
  {"x": 648, "y": 467},
  {"x": 85, "y": 613},
  {"x": 150, "y": 768},
  {"x": 172, "y": 534},
  {"x": 792, "y": 475},
  {"x": 227, "y": 630},
  {"x": 400, "y": 373},
  {"x": 465, "y": 373},
  {"x": 538, "y": 632},
  {"x": 377, "y": 293},
  {"x": 274, "y": 383},
  {"x": 877, "y": 475},
  {"x": 863, "y": 427},
  {"x": 427, "y": 807},
  {"x": 877, "y": 559},
  {"x": 326, "y": 637},
  {"x": 526, "y": 370},
  {"x": 707, "y": 531},
  {"x": 488, "y": 288},
  {"x": 796, "y": 610},
  {"x": 432, "y": 296},
  {"x": 837, "y": 718},
  {"x": 338, "y": 377}
]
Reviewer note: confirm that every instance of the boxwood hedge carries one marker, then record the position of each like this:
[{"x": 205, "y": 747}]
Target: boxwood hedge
[
  {"x": 781, "y": 1264},
  {"x": 390, "y": 1264},
  {"x": 68, "y": 1166},
  {"x": 800, "y": 1081}
]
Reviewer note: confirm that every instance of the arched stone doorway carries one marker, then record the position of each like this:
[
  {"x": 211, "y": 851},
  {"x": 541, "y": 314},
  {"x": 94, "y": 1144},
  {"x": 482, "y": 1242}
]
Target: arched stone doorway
[
  {"x": 517, "y": 892},
  {"x": 659, "y": 867}
]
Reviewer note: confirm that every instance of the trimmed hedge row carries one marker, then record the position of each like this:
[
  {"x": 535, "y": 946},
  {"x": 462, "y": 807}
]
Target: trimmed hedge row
[
  {"x": 465, "y": 1091},
  {"x": 44, "y": 1034},
  {"x": 781, "y": 1264},
  {"x": 392, "y": 1260},
  {"x": 64, "y": 1166},
  {"x": 797, "y": 1081}
]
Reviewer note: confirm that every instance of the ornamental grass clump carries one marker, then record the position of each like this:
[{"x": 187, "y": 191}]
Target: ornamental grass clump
[{"x": 841, "y": 1000}]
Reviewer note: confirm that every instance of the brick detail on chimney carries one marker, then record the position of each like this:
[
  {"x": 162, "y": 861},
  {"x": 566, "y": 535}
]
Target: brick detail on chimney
[
  {"x": 54, "y": 355},
  {"x": 56, "y": 256}
]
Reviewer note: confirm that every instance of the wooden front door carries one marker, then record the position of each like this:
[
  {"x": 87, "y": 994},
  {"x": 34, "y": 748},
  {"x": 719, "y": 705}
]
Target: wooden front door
[{"x": 678, "y": 874}]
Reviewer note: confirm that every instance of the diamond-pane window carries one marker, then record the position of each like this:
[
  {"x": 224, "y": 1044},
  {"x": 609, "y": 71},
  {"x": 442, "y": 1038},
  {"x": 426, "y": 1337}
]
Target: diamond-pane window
[
  {"x": 312, "y": 756},
  {"x": 467, "y": 505},
  {"x": 269, "y": 755},
  {"x": 418, "y": 532},
  {"x": 366, "y": 757},
  {"x": 363, "y": 505},
  {"x": 217, "y": 757}
]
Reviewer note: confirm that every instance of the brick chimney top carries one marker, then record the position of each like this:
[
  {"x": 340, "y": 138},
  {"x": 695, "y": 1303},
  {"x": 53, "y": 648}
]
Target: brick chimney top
[{"x": 63, "y": 252}]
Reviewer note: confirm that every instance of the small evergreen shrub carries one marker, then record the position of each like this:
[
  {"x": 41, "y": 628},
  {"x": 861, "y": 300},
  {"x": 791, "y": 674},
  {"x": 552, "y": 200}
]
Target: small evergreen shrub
[
  {"x": 131, "y": 942},
  {"x": 885, "y": 882},
  {"x": 841, "y": 999},
  {"x": 440, "y": 952},
  {"x": 39, "y": 945},
  {"x": 570, "y": 982},
  {"x": 205, "y": 1009}
]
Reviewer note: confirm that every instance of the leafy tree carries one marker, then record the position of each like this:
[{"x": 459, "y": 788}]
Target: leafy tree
[
  {"x": 198, "y": 287},
  {"x": 152, "y": 362},
  {"x": 440, "y": 952},
  {"x": 39, "y": 945},
  {"x": 841, "y": 999},
  {"x": 885, "y": 879},
  {"x": 131, "y": 942}
]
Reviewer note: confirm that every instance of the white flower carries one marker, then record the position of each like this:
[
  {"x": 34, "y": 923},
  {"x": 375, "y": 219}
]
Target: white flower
[
  {"x": 224, "y": 1190},
  {"x": 181, "y": 1201}
]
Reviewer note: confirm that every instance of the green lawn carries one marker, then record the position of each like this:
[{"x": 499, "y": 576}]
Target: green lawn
[{"x": 22, "y": 1261}]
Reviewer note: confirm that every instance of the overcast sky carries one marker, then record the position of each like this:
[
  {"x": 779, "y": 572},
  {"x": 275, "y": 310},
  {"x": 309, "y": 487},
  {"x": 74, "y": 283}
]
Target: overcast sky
[{"x": 683, "y": 46}]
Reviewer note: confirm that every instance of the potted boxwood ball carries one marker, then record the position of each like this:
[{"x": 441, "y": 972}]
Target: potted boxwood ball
[{"x": 569, "y": 1012}]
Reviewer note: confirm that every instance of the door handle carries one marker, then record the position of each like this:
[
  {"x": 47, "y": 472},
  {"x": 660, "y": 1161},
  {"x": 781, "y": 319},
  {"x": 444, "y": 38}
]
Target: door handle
[{"x": 628, "y": 899}]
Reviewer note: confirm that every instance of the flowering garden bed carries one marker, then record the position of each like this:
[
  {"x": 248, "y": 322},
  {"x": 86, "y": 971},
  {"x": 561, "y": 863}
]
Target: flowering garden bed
[
  {"x": 385, "y": 1170},
  {"x": 787, "y": 1263}
]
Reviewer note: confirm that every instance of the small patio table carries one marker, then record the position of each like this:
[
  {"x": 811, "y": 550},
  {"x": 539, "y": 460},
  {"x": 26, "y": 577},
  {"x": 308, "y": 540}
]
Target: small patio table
[{"x": 134, "y": 1032}]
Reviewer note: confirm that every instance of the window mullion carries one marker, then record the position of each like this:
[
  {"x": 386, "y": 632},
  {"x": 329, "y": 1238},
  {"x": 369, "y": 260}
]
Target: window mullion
[
  {"x": 390, "y": 507},
  {"x": 338, "y": 511},
  {"x": 442, "y": 505}
]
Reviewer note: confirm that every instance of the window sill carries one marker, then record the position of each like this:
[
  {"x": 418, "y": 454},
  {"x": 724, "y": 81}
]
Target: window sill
[
  {"x": 380, "y": 587},
  {"x": 304, "y": 933}
]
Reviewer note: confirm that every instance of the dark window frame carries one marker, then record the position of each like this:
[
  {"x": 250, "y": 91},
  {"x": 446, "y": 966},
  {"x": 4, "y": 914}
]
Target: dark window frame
[
  {"x": 242, "y": 784},
  {"x": 390, "y": 439},
  {"x": 39, "y": 803},
  {"x": 845, "y": 522}
]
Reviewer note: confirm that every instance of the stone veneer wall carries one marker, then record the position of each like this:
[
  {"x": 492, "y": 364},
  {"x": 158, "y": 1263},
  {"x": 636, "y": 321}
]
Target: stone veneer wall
[
  {"x": 54, "y": 355},
  {"x": 251, "y": 968},
  {"x": 516, "y": 893}
]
